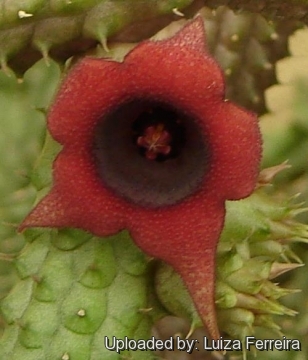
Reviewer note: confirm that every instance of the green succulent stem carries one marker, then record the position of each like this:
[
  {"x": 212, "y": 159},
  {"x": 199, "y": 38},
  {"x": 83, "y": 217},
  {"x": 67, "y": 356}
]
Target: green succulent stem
[
  {"x": 72, "y": 288},
  {"x": 272, "y": 9},
  {"x": 61, "y": 29}
]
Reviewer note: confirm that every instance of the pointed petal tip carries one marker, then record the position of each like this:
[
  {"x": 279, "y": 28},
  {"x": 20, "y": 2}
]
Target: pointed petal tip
[
  {"x": 192, "y": 35},
  {"x": 199, "y": 279},
  {"x": 47, "y": 213}
]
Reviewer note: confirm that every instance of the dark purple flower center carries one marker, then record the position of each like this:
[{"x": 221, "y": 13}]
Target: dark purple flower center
[{"x": 150, "y": 153}]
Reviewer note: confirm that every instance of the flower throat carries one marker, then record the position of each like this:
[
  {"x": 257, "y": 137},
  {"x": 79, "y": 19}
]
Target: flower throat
[
  {"x": 151, "y": 153},
  {"x": 159, "y": 134}
]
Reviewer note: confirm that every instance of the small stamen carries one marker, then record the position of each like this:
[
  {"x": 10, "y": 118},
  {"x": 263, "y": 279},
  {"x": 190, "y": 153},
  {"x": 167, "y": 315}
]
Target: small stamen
[{"x": 156, "y": 140}]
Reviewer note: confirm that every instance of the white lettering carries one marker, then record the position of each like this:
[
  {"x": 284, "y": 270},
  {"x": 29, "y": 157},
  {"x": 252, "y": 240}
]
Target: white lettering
[
  {"x": 296, "y": 345},
  {"x": 237, "y": 345},
  {"x": 283, "y": 344},
  {"x": 159, "y": 345},
  {"x": 168, "y": 345},
  {"x": 185, "y": 345},
  {"x": 278, "y": 345},
  {"x": 227, "y": 344},
  {"x": 107, "y": 345},
  {"x": 205, "y": 344},
  {"x": 221, "y": 344},
  {"x": 250, "y": 340},
  {"x": 189, "y": 345}
]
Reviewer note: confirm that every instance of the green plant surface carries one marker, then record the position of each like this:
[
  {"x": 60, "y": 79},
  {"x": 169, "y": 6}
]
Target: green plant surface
[
  {"x": 72, "y": 289},
  {"x": 61, "y": 29},
  {"x": 22, "y": 133}
]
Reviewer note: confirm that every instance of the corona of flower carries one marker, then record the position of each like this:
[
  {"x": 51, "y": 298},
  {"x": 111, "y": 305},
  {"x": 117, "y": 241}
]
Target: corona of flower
[{"x": 152, "y": 146}]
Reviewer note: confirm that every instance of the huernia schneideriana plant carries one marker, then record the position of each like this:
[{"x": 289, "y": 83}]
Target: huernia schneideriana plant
[{"x": 151, "y": 145}]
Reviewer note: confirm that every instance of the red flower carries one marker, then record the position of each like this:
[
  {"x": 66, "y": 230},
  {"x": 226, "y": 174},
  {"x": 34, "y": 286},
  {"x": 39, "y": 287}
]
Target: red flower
[{"x": 151, "y": 145}]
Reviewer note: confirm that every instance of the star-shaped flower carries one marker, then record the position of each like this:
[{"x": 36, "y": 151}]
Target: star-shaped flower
[{"x": 151, "y": 145}]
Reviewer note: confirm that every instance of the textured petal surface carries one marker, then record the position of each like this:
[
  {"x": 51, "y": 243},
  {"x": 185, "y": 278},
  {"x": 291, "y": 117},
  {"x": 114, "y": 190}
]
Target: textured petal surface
[
  {"x": 186, "y": 238},
  {"x": 178, "y": 72}
]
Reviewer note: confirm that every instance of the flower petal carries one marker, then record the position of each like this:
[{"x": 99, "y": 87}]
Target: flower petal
[
  {"x": 181, "y": 222},
  {"x": 78, "y": 199},
  {"x": 236, "y": 147},
  {"x": 186, "y": 237},
  {"x": 91, "y": 88}
]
